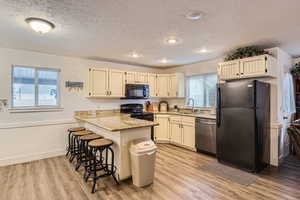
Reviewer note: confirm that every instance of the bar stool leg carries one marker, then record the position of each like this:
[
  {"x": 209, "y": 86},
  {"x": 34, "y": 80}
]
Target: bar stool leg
[
  {"x": 95, "y": 172},
  {"x": 73, "y": 152},
  {"x": 113, "y": 171},
  {"x": 79, "y": 155},
  {"x": 69, "y": 144}
]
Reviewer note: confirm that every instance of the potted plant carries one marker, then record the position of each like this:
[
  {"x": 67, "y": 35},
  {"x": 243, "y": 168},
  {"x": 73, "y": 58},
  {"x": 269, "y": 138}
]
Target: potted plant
[
  {"x": 296, "y": 69},
  {"x": 245, "y": 52}
]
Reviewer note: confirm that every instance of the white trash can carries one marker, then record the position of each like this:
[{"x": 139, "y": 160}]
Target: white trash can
[{"x": 142, "y": 161}]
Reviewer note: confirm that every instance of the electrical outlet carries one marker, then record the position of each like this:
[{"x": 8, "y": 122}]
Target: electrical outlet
[{"x": 4, "y": 102}]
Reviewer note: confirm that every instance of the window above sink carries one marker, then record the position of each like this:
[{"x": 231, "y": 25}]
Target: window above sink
[{"x": 202, "y": 88}]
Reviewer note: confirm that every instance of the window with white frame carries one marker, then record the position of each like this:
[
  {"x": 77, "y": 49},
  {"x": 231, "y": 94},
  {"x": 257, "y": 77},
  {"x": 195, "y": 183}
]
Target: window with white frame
[
  {"x": 34, "y": 87},
  {"x": 202, "y": 88}
]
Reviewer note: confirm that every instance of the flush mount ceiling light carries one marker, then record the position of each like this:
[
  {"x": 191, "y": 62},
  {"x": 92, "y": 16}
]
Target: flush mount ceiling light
[
  {"x": 135, "y": 55},
  {"x": 203, "y": 50},
  {"x": 164, "y": 60},
  {"x": 172, "y": 40},
  {"x": 194, "y": 15},
  {"x": 40, "y": 25}
]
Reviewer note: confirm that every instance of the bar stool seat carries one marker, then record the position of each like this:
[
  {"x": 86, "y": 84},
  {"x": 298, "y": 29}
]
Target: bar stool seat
[
  {"x": 100, "y": 143},
  {"x": 81, "y": 133},
  {"x": 76, "y": 129},
  {"x": 90, "y": 137}
]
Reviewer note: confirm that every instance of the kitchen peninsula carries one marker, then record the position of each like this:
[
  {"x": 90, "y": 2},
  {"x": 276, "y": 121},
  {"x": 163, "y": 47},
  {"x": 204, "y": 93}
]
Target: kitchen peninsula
[{"x": 121, "y": 129}]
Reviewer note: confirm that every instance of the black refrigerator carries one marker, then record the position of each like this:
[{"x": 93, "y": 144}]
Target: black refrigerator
[{"x": 243, "y": 124}]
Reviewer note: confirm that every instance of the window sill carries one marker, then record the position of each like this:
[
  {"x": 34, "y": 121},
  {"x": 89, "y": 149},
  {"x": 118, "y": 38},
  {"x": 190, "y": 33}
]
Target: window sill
[{"x": 32, "y": 110}]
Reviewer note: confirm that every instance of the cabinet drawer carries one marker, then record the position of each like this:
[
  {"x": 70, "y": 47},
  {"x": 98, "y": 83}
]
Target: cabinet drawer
[
  {"x": 188, "y": 120},
  {"x": 176, "y": 119}
]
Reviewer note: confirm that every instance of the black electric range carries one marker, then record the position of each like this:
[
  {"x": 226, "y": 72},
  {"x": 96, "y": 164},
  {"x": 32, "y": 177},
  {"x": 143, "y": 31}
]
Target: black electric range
[{"x": 137, "y": 111}]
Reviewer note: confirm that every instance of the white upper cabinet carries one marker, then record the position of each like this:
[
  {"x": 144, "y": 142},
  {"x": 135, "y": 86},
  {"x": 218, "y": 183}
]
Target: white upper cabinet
[
  {"x": 176, "y": 85},
  {"x": 116, "y": 83},
  {"x": 163, "y": 85},
  {"x": 257, "y": 66},
  {"x": 229, "y": 70},
  {"x": 104, "y": 82},
  {"x": 130, "y": 77},
  {"x": 136, "y": 78},
  {"x": 168, "y": 85},
  {"x": 141, "y": 77},
  {"x": 152, "y": 85},
  {"x": 98, "y": 82}
]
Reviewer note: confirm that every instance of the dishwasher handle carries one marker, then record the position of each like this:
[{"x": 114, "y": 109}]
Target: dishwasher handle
[{"x": 207, "y": 123}]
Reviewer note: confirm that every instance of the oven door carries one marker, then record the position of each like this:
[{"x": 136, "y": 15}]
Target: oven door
[{"x": 137, "y": 91}]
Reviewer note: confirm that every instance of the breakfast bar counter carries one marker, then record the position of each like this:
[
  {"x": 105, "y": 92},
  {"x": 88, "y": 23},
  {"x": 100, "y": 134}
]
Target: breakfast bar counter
[{"x": 121, "y": 129}]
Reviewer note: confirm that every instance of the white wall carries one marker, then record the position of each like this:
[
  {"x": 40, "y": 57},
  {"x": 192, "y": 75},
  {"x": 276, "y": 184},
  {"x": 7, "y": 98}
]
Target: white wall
[
  {"x": 27, "y": 136},
  {"x": 197, "y": 68}
]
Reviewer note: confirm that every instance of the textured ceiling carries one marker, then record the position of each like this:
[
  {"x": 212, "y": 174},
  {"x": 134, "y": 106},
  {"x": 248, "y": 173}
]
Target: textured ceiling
[{"x": 111, "y": 29}]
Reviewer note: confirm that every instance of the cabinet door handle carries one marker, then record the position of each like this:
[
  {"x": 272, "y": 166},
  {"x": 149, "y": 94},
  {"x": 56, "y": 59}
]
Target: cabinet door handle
[
  {"x": 109, "y": 92},
  {"x": 237, "y": 74}
]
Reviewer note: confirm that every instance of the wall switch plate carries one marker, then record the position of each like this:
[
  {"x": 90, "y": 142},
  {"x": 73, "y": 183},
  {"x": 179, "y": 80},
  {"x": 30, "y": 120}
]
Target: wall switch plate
[{"x": 4, "y": 102}]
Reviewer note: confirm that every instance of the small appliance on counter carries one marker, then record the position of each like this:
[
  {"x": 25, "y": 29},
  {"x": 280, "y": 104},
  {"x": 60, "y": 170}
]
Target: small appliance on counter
[
  {"x": 155, "y": 107},
  {"x": 149, "y": 106},
  {"x": 163, "y": 106},
  {"x": 176, "y": 108}
]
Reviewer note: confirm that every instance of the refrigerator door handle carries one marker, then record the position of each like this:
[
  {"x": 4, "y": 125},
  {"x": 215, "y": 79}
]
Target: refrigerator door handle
[{"x": 219, "y": 107}]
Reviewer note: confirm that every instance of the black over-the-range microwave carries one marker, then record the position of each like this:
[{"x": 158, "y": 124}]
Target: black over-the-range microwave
[{"x": 136, "y": 91}]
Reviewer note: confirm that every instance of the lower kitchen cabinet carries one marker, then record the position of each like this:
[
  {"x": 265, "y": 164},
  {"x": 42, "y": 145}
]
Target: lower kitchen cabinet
[
  {"x": 175, "y": 132},
  {"x": 175, "y": 129},
  {"x": 188, "y": 138},
  {"x": 161, "y": 132}
]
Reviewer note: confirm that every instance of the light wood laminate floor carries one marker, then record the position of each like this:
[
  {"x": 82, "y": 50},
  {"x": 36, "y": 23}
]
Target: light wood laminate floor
[{"x": 178, "y": 175}]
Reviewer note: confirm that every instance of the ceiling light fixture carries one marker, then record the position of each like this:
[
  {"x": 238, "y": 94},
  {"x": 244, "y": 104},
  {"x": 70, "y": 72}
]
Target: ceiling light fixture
[
  {"x": 172, "y": 40},
  {"x": 134, "y": 55},
  {"x": 40, "y": 25},
  {"x": 203, "y": 50},
  {"x": 194, "y": 15},
  {"x": 164, "y": 60}
]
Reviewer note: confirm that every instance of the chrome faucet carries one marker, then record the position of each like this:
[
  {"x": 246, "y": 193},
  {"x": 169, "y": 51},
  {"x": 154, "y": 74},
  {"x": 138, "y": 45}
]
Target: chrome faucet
[{"x": 193, "y": 105}]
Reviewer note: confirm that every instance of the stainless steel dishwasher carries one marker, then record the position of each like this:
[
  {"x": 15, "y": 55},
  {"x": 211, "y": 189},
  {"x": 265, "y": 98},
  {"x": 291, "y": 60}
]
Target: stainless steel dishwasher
[{"x": 206, "y": 135}]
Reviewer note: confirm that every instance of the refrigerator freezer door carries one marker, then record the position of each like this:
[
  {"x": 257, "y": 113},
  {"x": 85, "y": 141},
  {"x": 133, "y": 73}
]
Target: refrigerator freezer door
[
  {"x": 236, "y": 138},
  {"x": 237, "y": 94}
]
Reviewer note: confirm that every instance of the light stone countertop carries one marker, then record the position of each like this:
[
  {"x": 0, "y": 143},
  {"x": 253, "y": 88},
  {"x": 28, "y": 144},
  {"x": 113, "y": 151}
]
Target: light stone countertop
[
  {"x": 114, "y": 121},
  {"x": 200, "y": 115}
]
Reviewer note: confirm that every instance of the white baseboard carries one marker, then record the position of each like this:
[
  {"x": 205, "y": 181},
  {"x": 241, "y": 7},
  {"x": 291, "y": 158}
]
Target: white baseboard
[{"x": 31, "y": 157}]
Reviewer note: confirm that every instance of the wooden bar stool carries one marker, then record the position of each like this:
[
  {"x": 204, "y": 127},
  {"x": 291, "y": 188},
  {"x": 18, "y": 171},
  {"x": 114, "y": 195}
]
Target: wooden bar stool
[
  {"x": 100, "y": 162},
  {"x": 75, "y": 141},
  {"x": 71, "y": 130},
  {"x": 82, "y": 157}
]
